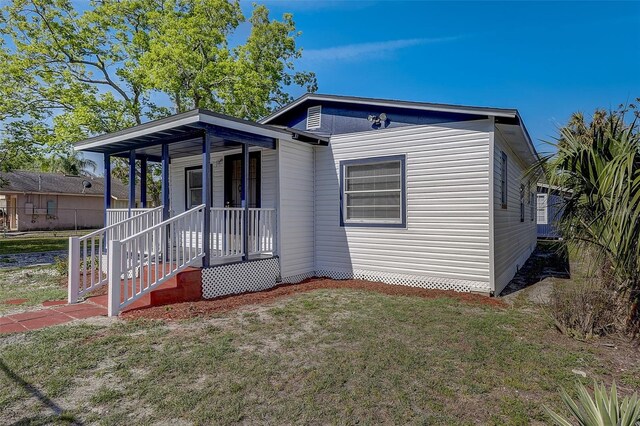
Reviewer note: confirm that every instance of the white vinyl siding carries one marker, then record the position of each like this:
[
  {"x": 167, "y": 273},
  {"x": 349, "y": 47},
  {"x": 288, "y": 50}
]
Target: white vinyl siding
[
  {"x": 514, "y": 240},
  {"x": 447, "y": 196},
  {"x": 177, "y": 193},
  {"x": 296, "y": 211}
]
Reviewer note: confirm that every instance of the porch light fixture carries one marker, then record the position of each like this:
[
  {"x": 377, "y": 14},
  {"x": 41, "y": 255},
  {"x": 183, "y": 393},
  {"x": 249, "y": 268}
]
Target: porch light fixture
[{"x": 377, "y": 120}]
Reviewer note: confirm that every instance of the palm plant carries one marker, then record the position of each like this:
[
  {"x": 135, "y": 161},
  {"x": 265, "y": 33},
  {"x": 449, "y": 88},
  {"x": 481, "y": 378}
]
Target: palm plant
[
  {"x": 600, "y": 164},
  {"x": 69, "y": 164},
  {"x": 604, "y": 409}
]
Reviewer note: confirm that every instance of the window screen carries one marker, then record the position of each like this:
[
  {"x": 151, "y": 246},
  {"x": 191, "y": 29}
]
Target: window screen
[
  {"x": 373, "y": 191},
  {"x": 503, "y": 181}
]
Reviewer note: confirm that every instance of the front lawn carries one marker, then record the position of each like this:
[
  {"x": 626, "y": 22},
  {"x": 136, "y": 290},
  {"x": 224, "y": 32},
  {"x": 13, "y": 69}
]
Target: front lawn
[
  {"x": 36, "y": 284},
  {"x": 335, "y": 356},
  {"x": 13, "y": 245}
]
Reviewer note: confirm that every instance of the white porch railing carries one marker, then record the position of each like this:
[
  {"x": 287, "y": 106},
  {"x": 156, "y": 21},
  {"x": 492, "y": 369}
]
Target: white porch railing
[
  {"x": 227, "y": 231},
  {"x": 143, "y": 251},
  {"x": 143, "y": 261},
  {"x": 118, "y": 215},
  {"x": 262, "y": 230},
  {"x": 87, "y": 260}
]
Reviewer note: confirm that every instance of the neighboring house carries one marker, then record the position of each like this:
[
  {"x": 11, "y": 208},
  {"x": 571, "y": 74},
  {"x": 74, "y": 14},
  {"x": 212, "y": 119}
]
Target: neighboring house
[
  {"x": 550, "y": 204},
  {"x": 45, "y": 201},
  {"x": 406, "y": 193}
]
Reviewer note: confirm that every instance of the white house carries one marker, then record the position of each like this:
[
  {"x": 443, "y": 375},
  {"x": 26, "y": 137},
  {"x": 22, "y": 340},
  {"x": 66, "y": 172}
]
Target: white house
[{"x": 407, "y": 193}]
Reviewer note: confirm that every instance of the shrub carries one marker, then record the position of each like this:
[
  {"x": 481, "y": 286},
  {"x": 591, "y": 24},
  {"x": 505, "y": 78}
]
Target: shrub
[
  {"x": 597, "y": 165},
  {"x": 61, "y": 266},
  {"x": 603, "y": 410},
  {"x": 584, "y": 310}
]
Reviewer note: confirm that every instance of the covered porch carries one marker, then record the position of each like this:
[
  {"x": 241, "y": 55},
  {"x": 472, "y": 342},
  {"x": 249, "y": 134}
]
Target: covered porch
[{"x": 219, "y": 203}]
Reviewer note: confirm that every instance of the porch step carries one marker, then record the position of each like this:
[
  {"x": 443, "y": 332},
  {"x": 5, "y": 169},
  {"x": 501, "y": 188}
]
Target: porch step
[{"x": 186, "y": 286}]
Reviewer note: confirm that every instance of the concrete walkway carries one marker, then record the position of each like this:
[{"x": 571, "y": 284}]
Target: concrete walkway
[{"x": 54, "y": 315}]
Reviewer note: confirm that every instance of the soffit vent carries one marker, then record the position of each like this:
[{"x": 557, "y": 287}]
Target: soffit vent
[{"x": 314, "y": 116}]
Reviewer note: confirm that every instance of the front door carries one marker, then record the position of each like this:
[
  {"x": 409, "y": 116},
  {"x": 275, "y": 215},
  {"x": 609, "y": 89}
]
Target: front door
[{"x": 233, "y": 180}]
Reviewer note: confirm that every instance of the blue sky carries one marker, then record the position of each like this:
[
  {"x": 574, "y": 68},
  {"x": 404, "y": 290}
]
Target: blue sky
[{"x": 547, "y": 59}]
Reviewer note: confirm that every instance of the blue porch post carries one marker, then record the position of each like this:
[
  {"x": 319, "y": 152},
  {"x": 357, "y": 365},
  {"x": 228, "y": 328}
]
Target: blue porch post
[
  {"x": 107, "y": 186},
  {"x": 132, "y": 180},
  {"x": 206, "y": 197},
  {"x": 245, "y": 201},
  {"x": 165, "y": 181},
  {"x": 143, "y": 182}
]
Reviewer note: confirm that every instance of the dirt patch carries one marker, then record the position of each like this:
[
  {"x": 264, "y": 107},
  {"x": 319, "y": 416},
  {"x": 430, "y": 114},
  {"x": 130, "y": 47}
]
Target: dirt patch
[
  {"x": 227, "y": 303},
  {"x": 535, "y": 279}
]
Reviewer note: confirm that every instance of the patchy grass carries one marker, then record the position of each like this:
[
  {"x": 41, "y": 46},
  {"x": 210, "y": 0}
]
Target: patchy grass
[
  {"x": 326, "y": 356},
  {"x": 36, "y": 284},
  {"x": 32, "y": 244}
]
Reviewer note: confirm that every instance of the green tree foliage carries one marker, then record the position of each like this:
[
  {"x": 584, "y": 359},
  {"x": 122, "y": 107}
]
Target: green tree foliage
[
  {"x": 599, "y": 164},
  {"x": 70, "y": 74},
  {"x": 71, "y": 163}
]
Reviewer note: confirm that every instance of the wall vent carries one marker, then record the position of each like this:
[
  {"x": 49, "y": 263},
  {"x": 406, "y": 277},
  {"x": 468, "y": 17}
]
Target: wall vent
[{"x": 314, "y": 117}]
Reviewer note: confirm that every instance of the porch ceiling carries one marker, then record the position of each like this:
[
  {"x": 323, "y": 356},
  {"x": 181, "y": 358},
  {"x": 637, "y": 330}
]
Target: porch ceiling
[{"x": 184, "y": 132}]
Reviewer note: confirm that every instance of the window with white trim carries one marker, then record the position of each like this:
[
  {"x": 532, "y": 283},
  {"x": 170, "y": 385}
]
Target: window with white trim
[
  {"x": 542, "y": 206},
  {"x": 373, "y": 191},
  {"x": 194, "y": 187},
  {"x": 314, "y": 117}
]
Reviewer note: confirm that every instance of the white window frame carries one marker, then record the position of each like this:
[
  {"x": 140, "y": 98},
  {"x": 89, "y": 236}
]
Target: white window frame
[
  {"x": 401, "y": 221},
  {"x": 544, "y": 209},
  {"x": 188, "y": 204}
]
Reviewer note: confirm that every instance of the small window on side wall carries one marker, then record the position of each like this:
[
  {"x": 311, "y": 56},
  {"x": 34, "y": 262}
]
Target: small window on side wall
[
  {"x": 193, "y": 184},
  {"x": 503, "y": 180},
  {"x": 373, "y": 192},
  {"x": 521, "y": 202},
  {"x": 51, "y": 208},
  {"x": 532, "y": 205}
]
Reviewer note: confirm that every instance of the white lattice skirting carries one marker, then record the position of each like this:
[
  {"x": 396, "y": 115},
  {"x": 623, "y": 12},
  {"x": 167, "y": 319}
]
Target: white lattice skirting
[
  {"x": 408, "y": 280},
  {"x": 240, "y": 277}
]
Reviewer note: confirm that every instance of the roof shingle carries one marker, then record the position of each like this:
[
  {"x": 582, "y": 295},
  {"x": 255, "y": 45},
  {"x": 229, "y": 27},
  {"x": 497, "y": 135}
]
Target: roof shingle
[{"x": 56, "y": 183}]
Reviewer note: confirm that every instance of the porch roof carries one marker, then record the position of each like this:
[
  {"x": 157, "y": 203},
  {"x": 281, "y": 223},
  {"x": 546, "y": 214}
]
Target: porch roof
[{"x": 184, "y": 133}]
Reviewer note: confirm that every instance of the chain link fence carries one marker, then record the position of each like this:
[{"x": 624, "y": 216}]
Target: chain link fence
[{"x": 24, "y": 219}]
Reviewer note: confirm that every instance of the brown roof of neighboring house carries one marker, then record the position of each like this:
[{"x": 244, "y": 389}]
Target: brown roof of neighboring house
[{"x": 56, "y": 183}]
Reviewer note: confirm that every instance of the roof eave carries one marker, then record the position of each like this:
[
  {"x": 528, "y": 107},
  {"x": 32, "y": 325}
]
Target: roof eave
[
  {"x": 184, "y": 119},
  {"x": 511, "y": 113},
  {"x": 525, "y": 132}
]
